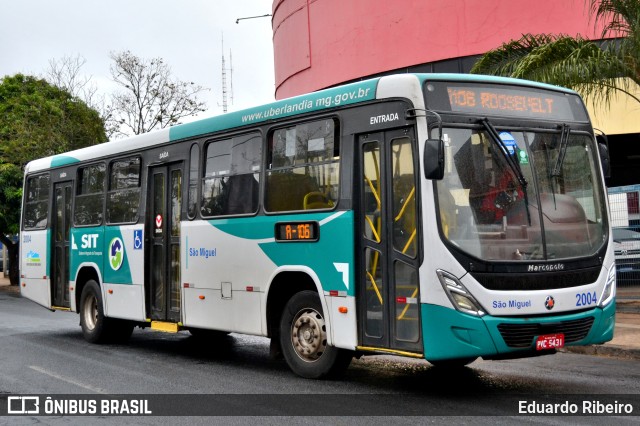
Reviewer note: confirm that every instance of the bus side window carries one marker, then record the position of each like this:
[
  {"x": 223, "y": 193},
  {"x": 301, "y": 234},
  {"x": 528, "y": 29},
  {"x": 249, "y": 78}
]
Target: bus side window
[
  {"x": 89, "y": 202},
  {"x": 231, "y": 181},
  {"x": 36, "y": 206},
  {"x": 124, "y": 191},
  {"x": 303, "y": 167}
]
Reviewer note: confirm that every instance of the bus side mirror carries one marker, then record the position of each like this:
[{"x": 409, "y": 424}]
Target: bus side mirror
[
  {"x": 604, "y": 160},
  {"x": 433, "y": 161}
]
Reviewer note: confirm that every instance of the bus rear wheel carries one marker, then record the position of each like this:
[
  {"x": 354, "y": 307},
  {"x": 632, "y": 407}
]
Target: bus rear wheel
[
  {"x": 96, "y": 328},
  {"x": 303, "y": 337}
]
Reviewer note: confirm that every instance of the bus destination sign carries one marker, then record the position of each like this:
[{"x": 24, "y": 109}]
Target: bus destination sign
[
  {"x": 498, "y": 100},
  {"x": 297, "y": 231},
  {"x": 492, "y": 100}
]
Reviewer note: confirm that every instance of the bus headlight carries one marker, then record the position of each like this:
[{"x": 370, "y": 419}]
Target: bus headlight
[
  {"x": 459, "y": 296},
  {"x": 609, "y": 288}
]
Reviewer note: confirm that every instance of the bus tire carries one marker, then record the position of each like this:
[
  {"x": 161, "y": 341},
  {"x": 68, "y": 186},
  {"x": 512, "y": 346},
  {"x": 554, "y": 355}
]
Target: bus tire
[
  {"x": 303, "y": 337},
  {"x": 95, "y": 326}
]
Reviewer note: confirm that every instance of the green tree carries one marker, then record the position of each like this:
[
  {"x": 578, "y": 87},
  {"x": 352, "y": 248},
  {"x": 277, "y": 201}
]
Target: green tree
[
  {"x": 598, "y": 72},
  {"x": 36, "y": 120}
]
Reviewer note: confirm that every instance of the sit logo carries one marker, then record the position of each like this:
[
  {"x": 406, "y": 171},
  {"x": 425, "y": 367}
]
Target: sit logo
[
  {"x": 87, "y": 241},
  {"x": 116, "y": 253}
]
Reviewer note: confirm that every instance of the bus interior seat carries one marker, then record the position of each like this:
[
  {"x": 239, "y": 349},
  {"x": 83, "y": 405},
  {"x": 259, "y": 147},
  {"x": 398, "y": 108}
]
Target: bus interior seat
[
  {"x": 286, "y": 191},
  {"x": 317, "y": 200}
]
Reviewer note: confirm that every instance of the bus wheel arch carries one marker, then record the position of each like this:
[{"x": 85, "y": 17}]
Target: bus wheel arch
[
  {"x": 85, "y": 274},
  {"x": 282, "y": 288}
]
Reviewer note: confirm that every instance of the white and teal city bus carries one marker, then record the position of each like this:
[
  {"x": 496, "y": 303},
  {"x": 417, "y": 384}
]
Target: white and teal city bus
[{"x": 442, "y": 217}]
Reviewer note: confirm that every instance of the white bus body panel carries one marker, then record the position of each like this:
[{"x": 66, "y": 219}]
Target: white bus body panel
[
  {"x": 124, "y": 301},
  {"x": 344, "y": 331},
  {"x": 35, "y": 283},
  {"x": 222, "y": 268},
  {"x": 226, "y": 281},
  {"x": 207, "y": 308},
  {"x": 37, "y": 290}
]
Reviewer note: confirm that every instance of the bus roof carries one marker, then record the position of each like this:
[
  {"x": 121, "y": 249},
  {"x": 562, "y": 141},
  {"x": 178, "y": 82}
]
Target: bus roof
[{"x": 337, "y": 96}]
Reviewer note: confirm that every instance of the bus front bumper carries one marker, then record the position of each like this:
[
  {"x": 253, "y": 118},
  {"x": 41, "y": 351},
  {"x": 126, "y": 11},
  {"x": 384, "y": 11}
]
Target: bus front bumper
[{"x": 449, "y": 334}]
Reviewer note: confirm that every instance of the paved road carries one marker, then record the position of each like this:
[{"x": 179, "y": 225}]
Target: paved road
[{"x": 44, "y": 353}]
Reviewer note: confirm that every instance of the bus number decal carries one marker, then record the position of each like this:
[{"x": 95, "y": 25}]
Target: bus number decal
[{"x": 586, "y": 299}]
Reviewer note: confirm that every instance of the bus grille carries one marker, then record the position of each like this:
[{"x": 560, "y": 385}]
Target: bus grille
[
  {"x": 522, "y": 335},
  {"x": 536, "y": 281}
]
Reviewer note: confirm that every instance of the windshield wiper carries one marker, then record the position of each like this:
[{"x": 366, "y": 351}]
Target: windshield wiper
[
  {"x": 564, "y": 142},
  {"x": 511, "y": 162}
]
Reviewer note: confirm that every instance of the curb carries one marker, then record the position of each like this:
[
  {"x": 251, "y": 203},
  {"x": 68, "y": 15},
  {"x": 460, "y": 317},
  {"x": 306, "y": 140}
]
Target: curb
[
  {"x": 628, "y": 306},
  {"x": 611, "y": 351}
]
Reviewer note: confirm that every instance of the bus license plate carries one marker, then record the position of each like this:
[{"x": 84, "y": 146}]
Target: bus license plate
[{"x": 550, "y": 341}]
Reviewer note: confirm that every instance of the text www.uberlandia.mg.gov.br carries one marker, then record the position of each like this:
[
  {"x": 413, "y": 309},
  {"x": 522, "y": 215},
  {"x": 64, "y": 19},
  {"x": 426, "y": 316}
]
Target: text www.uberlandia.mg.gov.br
[{"x": 305, "y": 105}]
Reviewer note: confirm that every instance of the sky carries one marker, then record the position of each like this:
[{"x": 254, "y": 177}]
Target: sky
[{"x": 187, "y": 34}]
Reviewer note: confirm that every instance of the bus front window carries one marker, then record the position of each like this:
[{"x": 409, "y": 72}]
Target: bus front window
[{"x": 546, "y": 204}]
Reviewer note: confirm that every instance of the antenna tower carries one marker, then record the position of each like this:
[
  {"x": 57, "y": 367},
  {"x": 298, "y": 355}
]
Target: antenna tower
[{"x": 225, "y": 92}]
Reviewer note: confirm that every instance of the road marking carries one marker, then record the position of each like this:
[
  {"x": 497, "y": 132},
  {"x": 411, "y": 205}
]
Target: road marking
[{"x": 65, "y": 379}]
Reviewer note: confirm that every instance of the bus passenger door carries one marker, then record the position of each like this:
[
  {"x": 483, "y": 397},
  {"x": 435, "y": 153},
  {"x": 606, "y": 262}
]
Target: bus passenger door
[
  {"x": 164, "y": 209},
  {"x": 388, "y": 292},
  {"x": 60, "y": 249}
]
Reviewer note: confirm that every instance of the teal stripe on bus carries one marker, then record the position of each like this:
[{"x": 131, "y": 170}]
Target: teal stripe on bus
[
  {"x": 334, "y": 246},
  {"x": 63, "y": 160},
  {"x": 330, "y": 98}
]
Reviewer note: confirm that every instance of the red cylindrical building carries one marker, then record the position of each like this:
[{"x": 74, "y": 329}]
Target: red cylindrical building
[{"x": 322, "y": 43}]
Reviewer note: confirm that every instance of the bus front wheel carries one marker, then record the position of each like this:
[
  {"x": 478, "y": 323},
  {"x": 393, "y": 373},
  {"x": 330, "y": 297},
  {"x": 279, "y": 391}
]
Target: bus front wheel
[{"x": 303, "y": 337}]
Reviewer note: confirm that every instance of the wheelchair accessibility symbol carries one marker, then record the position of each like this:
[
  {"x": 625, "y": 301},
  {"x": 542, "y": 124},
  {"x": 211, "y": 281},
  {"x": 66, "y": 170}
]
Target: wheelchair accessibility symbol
[{"x": 137, "y": 239}]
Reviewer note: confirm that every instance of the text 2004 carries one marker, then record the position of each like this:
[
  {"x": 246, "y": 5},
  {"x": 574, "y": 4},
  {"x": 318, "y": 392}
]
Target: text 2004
[{"x": 586, "y": 299}]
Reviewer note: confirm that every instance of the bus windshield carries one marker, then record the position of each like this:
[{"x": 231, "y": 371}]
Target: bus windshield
[{"x": 539, "y": 200}]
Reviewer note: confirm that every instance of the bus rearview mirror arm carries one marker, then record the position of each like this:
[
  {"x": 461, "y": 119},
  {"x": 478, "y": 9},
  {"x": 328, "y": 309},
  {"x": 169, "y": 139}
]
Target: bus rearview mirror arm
[
  {"x": 603, "y": 150},
  {"x": 433, "y": 161},
  {"x": 604, "y": 160}
]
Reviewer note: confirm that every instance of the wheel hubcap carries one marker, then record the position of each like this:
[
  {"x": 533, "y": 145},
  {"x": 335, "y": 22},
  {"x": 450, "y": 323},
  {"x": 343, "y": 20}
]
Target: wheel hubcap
[
  {"x": 91, "y": 312},
  {"x": 308, "y": 335}
]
